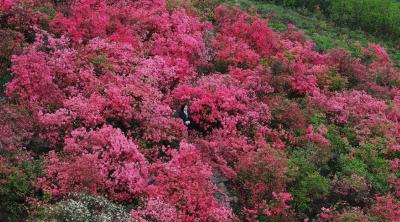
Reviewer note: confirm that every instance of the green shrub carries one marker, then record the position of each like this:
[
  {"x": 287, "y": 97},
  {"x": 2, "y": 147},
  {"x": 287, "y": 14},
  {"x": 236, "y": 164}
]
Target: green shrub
[
  {"x": 13, "y": 193},
  {"x": 381, "y": 17},
  {"x": 368, "y": 161},
  {"x": 16, "y": 185},
  {"x": 309, "y": 4},
  {"x": 308, "y": 187},
  {"x": 49, "y": 10}
]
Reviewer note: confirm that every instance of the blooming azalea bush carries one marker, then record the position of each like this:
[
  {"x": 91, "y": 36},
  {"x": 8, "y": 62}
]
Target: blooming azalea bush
[
  {"x": 90, "y": 96},
  {"x": 261, "y": 185},
  {"x": 186, "y": 177},
  {"x": 97, "y": 161},
  {"x": 156, "y": 210}
]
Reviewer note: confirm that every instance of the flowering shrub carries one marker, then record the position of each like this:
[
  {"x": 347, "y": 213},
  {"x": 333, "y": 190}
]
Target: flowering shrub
[
  {"x": 82, "y": 27},
  {"x": 223, "y": 149},
  {"x": 275, "y": 130},
  {"x": 155, "y": 210},
  {"x": 16, "y": 127},
  {"x": 101, "y": 161},
  {"x": 348, "y": 214},
  {"x": 317, "y": 137},
  {"x": 387, "y": 207},
  {"x": 243, "y": 39},
  {"x": 287, "y": 113},
  {"x": 186, "y": 177},
  {"x": 261, "y": 184},
  {"x": 215, "y": 102}
]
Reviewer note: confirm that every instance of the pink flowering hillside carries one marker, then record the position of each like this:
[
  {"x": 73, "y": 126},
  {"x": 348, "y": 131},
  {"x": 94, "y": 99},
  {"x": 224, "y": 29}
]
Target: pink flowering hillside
[{"x": 178, "y": 110}]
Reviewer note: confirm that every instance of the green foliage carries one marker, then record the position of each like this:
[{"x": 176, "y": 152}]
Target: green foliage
[
  {"x": 337, "y": 82},
  {"x": 49, "y": 11},
  {"x": 5, "y": 63},
  {"x": 350, "y": 135},
  {"x": 16, "y": 185},
  {"x": 310, "y": 4},
  {"x": 378, "y": 166},
  {"x": 308, "y": 187},
  {"x": 356, "y": 166},
  {"x": 368, "y": 161},
  {"x": 101, "y": 64},
  {"x": 380, "y": 17},
  {"x": 318, "y": 119},
  {"x": 353, "y": 214},
  {"x": 13, "y": 193},
  {"x": 4, "y": 78}
]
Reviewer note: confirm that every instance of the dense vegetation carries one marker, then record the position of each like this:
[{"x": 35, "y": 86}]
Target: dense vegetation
[
  {"x": 281, "y": 128},
  {"x": 381, "y": 17},
  {"x": 320, "y": 29}
]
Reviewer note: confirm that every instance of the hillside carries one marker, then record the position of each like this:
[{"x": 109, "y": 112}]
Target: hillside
[
  {"x": 195, "y": 111},
  {"x": 325, "y": 33}
]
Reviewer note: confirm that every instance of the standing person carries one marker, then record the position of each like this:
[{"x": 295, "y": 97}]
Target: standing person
[{"x": 183, "y": 113}]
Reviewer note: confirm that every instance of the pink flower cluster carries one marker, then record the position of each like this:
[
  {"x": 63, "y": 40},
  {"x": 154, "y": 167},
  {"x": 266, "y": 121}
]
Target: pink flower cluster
[{"x": 97, "y": 88}]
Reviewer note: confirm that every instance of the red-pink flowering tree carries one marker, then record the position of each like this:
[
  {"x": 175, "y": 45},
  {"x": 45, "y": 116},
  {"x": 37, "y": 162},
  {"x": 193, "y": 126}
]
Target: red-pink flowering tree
[
  {"x": 88, "y": 19},
  {"x": 242, "y": 39},
  {"x": 99, "y": 161},
  {"x": 155, "y": 209},
  {"x": 16, "y": 128},
  {"x": 387, "y": 207},
  {"x": 218, "y": 101},
  {"x": 184, "y": 182},
  {"x": 223, "y": 149},
  {"x": 349, "y": 106},
  {"x": 261, "y": 184},
  {"x": 103, "y": 88}
]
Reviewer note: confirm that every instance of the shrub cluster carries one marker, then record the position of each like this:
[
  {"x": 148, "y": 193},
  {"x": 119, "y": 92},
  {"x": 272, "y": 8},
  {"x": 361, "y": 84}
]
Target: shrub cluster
[{"x": 277, "y": 130}]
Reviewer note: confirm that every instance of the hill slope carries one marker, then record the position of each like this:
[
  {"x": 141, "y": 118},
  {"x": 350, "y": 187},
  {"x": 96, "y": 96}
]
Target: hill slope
[
  {"x": 153, "y": 110},
  {"x": 325, "y": 33}
]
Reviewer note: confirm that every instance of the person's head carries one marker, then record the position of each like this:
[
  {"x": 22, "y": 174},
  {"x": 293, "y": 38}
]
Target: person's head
[{"x": 185, "y": 108}]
